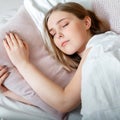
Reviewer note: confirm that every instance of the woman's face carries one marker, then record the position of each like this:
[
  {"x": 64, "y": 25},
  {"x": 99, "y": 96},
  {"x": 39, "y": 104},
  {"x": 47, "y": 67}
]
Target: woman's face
[{"x": 70, "y": 34}]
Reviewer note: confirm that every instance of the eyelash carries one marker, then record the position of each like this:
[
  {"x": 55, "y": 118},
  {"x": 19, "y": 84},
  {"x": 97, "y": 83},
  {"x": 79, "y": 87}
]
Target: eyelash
[
  {"x": 62, "y": 27},
  {"x": 65, "y": 25}
]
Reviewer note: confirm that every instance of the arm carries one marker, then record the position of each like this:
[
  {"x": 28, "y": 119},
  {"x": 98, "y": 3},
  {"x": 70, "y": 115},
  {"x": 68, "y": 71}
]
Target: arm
[
  {"x": 16, "y": 97},
  {"x": 63, "y": 100}
]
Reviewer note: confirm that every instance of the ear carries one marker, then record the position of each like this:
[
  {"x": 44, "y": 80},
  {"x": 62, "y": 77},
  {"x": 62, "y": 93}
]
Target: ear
[{"x": 87, "y": 21}]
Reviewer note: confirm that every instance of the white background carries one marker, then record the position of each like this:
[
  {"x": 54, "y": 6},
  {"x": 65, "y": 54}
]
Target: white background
[
  {"x": 8, "y": 9},
  {"x": 6, "y": 5}
]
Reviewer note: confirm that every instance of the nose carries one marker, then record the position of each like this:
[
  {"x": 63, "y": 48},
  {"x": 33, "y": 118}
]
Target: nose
[{"x": 60, "y": 35}]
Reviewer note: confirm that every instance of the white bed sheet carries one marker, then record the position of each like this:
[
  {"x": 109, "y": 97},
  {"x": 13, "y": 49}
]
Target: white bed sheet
[{"x": 8, "y": 9}]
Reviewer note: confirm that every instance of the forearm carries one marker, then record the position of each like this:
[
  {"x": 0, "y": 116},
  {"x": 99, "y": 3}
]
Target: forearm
[
  {"x": 16, "y": 97},
  {"x": 45, "y": 88},
  {"x": 50, "y": 92}
]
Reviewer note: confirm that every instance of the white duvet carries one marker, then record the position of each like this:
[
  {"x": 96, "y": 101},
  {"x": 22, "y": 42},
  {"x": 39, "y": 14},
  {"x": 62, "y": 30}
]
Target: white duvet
[{"x": 101, "y": 79}]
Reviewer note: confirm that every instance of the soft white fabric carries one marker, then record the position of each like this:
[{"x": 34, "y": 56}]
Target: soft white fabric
[
  {"x": 13, "y": 110},
  {"x": 7, "y": 11},
  {"x": 38, "y": 9},
  {"x": 101, "y": 78}
]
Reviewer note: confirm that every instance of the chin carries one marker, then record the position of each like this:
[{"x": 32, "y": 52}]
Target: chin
[
  {"x": 70, "y": 50},
  {"x": 70, "y": 53}
]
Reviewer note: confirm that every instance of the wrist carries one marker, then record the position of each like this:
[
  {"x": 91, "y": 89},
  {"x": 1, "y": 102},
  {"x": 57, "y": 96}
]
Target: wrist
[{"x": 23, "y": 65}]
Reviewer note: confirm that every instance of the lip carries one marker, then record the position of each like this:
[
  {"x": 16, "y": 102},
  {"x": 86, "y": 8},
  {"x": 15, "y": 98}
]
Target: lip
[{"x": 64, "y": 43}]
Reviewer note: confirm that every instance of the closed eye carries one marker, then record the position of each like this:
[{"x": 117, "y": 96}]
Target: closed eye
[{"x": 65, "y": 25}]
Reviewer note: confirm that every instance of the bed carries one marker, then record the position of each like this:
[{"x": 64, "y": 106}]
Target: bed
[{"x": 25, "y": 18}]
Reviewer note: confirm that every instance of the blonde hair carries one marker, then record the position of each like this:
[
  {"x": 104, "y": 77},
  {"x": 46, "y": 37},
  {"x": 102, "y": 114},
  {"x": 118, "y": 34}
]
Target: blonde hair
[{"x": 70, "y": 62}]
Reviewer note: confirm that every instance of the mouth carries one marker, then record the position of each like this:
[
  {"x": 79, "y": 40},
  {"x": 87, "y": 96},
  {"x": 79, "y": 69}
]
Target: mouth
[{"x": 64, "y": 43}]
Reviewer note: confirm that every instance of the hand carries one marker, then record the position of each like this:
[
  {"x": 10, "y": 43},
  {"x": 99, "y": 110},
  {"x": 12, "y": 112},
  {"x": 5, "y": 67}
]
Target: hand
[
  {"x": 17, "y": 49},
  {"x": 3, "y": 75}
]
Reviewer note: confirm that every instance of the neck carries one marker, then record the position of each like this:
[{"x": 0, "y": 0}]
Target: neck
[{"x": 81, "y": 52}]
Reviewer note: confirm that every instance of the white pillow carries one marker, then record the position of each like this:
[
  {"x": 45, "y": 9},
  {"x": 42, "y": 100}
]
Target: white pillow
[
  {"x": 7, "y": 11},
  {"x": 38, "y": 9}
]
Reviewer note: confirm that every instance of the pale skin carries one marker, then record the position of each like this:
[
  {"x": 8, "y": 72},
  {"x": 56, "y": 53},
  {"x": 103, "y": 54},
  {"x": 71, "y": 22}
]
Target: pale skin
[
  {"x": 70, "y": 35},
  {"x": 3, "y": 75}
]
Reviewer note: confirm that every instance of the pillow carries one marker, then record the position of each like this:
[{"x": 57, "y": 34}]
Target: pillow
[
  {"x": 109, "y": 13},
  {"x": 27, "y": 30},
  {"x": 38, "y": 9}
]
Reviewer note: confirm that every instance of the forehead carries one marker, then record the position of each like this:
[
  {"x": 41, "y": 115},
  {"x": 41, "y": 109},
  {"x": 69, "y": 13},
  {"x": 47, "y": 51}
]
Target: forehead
[{"x": 58, "y": 15}]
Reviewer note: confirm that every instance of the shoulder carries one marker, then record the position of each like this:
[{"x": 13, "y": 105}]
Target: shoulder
[{"x": 84, "y": 57}]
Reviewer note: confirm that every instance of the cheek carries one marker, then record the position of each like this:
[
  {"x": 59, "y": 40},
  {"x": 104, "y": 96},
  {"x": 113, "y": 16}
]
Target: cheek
[{"x": 57, "y": 43}]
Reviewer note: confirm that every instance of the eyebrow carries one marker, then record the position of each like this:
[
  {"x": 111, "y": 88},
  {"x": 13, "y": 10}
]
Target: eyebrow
[{"x": 58, "y": 22}]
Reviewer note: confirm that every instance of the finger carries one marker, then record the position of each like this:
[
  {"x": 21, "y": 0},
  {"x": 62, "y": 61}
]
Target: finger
[
  {"x": 2, "y": 66},
  {"x": 3, "y": 71},
  {"x": 9, "y": 41},
  {"x": 6, "y": 45},
  {"x": 3, "y": 77},
  {"x": 3, "y": 88},
  {"x": 13, "y": 38},
  {"x": 26, "y": 45},
  {"x": 20, "y": 41}
]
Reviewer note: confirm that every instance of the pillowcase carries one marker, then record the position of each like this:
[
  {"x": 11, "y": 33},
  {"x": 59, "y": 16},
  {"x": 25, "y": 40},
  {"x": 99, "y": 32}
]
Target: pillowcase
[
  {"x": 109, "y": 13},
  {"x": 38, "y": 9},
  {"x": 39, "y": 56}
]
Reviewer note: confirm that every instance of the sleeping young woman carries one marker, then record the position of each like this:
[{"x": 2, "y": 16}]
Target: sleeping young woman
[{"x": 77, "y": 42}]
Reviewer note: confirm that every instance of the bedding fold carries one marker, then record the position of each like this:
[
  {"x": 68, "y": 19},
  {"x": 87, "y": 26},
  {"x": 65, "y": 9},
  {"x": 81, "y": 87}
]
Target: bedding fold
[{"x": 101, "y": 79}]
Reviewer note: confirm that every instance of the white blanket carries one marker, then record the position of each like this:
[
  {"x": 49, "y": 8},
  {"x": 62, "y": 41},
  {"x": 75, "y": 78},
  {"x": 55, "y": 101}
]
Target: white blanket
[
  {"x": 101, "y": 79},
  {"x": 13, "y": 110}
]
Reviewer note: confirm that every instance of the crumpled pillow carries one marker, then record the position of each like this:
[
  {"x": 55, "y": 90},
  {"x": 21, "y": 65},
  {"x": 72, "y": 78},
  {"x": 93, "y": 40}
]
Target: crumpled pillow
[{"x": 39, "y": 56}]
